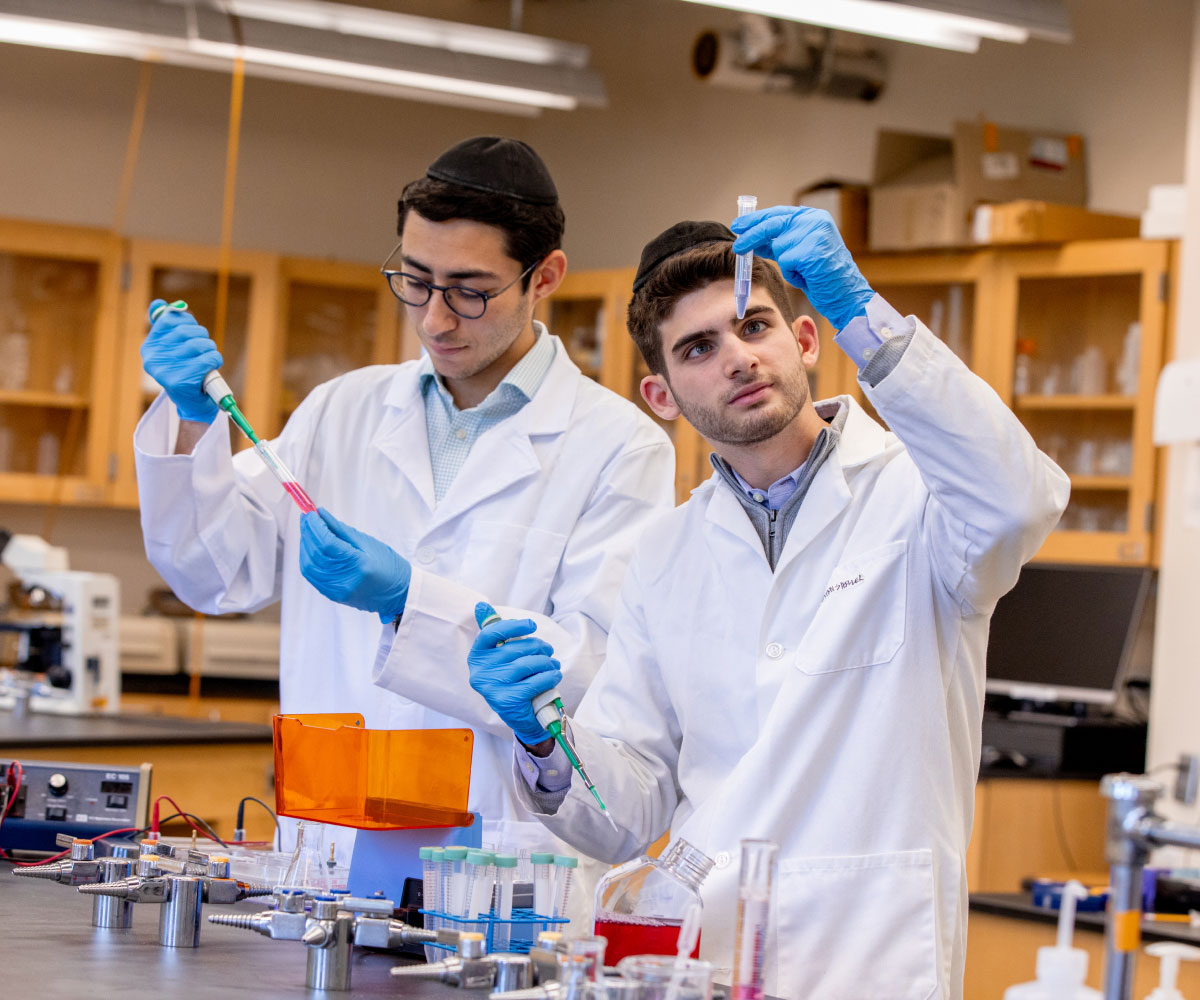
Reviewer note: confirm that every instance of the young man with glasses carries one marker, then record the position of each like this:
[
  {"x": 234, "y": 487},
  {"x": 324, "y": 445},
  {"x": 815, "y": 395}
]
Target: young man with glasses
[{"x": 490, "y": 470}]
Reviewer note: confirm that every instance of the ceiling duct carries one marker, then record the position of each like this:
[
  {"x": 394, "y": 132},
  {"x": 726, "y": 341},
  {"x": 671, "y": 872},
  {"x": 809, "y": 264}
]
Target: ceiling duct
[{"x": 783, "y": 57}]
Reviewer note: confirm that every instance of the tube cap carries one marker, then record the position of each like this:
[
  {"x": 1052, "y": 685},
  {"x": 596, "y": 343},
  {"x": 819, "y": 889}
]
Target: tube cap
[
  {"x": 455, "y": 853},
  {"x": 566, "y": 861},
  {"x": 496, "y": 165},
  {"x": 539, "y": 858},
  {"x": 681, "y": 236}
]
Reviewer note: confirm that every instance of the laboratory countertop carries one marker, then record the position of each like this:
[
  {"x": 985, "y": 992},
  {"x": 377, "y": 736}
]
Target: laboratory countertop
[
  {"x": 1020, "y": 906},
  {"x": 41, "y": 729},
  {"x": 49, "y": 950}
]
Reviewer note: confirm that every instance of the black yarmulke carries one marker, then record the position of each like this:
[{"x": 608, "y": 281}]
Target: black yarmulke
[
  {"x": 681, "y": 236},
  {"x": 497, "y": 165}
]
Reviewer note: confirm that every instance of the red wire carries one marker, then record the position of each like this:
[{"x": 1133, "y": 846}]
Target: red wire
[
  {"x": 13, "y": 797},
  {"x": 154, "y": 819}
]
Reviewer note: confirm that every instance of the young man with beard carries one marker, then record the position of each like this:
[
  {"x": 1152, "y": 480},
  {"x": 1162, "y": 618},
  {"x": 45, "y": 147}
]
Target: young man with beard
[
  {"x": 491, "y": 469},
  {"x": 798, "y": 651}
]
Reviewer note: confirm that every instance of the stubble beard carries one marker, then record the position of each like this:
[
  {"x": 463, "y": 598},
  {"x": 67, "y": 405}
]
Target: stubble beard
[{"x": 720, "y": 426}]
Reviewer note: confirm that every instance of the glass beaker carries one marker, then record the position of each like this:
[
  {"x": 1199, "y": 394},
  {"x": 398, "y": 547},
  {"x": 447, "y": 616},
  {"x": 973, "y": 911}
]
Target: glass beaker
[
  {"x": 659, "y": 977},
  {"x": 640, "y": 905}
]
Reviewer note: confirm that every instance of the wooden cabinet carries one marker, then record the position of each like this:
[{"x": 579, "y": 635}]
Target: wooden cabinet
[
  {"x": 1071, "y": 337},
  {"x": 332, "y": 318},
  {"x": 1083, "y": 328},
  {"x": 587, "y": 312},
  {"x": 58, "y": 293},
  {"x": 174, "y": 271},
  {"x": 291, "y": 323}
]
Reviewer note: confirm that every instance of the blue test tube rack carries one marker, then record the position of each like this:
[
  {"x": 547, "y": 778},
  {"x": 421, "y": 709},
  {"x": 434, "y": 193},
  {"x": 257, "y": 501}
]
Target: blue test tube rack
[{"x": 524, "y": 927}]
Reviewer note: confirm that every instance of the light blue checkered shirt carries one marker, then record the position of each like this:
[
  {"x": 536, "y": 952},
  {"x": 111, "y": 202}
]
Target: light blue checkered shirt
[{"x": 452, "y": 431}]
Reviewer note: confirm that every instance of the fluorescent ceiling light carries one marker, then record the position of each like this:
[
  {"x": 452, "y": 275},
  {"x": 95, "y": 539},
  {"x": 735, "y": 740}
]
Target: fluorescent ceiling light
[
  {"x": 201, "y": 36},
  {"x": 948, "y": 24},
  {"x": 450, "y": 35}
]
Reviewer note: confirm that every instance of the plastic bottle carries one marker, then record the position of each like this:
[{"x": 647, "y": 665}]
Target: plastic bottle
[
  {"x": 1169, "y": 955},
  {"x": 641, "y": 905},
  {"x": 1023, "y": 367},
  {"x": 1061, "y": 969}
]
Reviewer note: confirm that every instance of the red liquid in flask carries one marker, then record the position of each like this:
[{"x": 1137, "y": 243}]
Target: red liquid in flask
[
  {"x": 303, "y": 501},
  {"x": 640, "y": 936}
]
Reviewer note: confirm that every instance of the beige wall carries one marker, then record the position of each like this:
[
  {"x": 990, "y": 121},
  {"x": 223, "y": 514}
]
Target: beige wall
[
  {"x": 320, "y": 170},
  {"x": 1175, "y": 694}
]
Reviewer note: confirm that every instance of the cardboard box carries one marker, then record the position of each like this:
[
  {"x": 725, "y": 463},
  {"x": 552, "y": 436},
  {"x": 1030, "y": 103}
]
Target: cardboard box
[
  {"x": 926, "y": 187},
  {"x": 846, "y": 202},
  {"x": 1042, "y": 222}
]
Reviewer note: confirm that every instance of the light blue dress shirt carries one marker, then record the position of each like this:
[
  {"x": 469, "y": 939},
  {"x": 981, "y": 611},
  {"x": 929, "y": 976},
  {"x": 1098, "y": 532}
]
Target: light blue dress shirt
[{"x": 452, "y": 432}]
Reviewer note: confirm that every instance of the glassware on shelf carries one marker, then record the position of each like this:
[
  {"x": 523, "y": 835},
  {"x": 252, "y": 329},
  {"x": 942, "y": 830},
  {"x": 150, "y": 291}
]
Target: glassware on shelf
[
  {"x": 641, "y": 905},
  {"x": 64, "y": 378},
  {"x": 1126, "y": 373},
  {"x": 14, "y": 357},
  {"x": 1089, "y": 372},
  {"x": 1023, "y": 366},
  {"x": 6, "y": 449},
  {"x": 47, "y": 454}
]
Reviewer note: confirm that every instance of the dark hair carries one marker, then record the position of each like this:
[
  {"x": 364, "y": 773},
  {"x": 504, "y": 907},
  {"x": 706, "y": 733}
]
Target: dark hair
[
  {"x": 682, "y": 274},
  {"x": 530, "y": 231}
]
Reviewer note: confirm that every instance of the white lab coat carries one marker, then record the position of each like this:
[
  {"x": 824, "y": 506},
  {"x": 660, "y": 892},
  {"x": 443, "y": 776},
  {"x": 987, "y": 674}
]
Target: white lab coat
[
  {"x": 540, "y": 522},
  {"x": 834, "y": 704}
]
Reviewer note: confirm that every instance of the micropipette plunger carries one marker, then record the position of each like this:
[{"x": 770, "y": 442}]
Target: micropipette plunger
[
  {"x": 548, "y": 710},
  {"x": 219, "y": 392},
  {"x": 744, "y": 264}
]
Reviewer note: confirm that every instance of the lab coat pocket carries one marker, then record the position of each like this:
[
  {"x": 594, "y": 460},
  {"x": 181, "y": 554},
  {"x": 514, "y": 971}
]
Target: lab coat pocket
[
  {"x": 860, "y": 621},
  {"x": 857, "y": 927},
  {"x": 513, "y": 560}
]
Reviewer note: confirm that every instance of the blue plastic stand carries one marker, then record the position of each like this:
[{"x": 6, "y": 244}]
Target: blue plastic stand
[{"x": 383, "y": 859}]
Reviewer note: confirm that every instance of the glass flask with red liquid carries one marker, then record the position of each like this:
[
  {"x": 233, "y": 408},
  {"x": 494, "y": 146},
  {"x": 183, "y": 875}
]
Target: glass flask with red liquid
[{"x": 640, "y": 905}]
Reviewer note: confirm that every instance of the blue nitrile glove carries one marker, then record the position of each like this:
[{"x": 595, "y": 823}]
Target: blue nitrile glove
[
  {"x": 352, "y": 567},
  {"x": 510, "y": 667},
  {"x": 177, "y": 353},
  {"x": 808, "y": 248}
]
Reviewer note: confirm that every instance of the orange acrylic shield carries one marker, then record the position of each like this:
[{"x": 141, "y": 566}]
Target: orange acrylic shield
[{"x": 331, "y": 769}]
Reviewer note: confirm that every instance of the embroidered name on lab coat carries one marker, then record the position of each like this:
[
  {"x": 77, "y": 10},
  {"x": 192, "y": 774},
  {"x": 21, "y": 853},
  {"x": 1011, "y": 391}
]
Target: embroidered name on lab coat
[{"x": 841, "y": 585}]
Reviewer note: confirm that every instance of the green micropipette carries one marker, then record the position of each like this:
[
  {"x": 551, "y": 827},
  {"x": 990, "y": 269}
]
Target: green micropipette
[
  {"x": 217, "y": 389},
  {"x": 548, "y": 710}
]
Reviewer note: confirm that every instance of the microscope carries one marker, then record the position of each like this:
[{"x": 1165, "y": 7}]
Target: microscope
[{"x": 58, "y": 634}]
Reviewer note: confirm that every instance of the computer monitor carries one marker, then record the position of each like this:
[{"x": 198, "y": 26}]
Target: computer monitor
[{"x": 1067, "y": 633}]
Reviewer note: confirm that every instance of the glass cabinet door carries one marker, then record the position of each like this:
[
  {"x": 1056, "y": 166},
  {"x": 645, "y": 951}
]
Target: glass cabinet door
[
  {"x": 57, "y": 303},
  {"x": 177, "y": 271},
  {"x": 334, "y": 318},
  {"x": 1088, "y": 325}
]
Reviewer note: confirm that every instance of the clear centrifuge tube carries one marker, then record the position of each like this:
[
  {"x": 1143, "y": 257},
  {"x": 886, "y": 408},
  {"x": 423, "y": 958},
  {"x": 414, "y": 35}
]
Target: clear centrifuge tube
[
  {"x": 565, "y": 879},
  {"x": 506, "y": 870},
  {"x": 754, "y": 910},
  {"x": 456, "y": 880},
  {"x": 543, "y": 883},
  {"x": 431, "y": 891},
  {"x": 744, "y": 265}
]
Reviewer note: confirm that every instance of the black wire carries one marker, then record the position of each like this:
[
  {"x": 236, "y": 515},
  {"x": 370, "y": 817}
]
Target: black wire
[
  {"x": 199, "y": 822},
  {"x": 241, "y": 815}
]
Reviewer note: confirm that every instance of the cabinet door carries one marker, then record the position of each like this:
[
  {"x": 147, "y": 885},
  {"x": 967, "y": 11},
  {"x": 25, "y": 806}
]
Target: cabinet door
[
  {"x": 58, "y": 292},
  {"x": 950, "y": 294},
  {"x": 1083, "y": 327},
  {"x": 587, "y": 313},
  {"x": 175, "y": 271},
  {"x": 333, "y": 318}
]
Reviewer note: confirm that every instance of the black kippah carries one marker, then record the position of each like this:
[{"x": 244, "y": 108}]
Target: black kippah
[
  {"x": 681, "y": 236},
  {"x": 496, "y": 165}
]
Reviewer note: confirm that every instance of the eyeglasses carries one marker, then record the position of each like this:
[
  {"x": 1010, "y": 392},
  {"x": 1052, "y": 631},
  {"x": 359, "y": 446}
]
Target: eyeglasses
[{"x": 469, "y": 303}]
